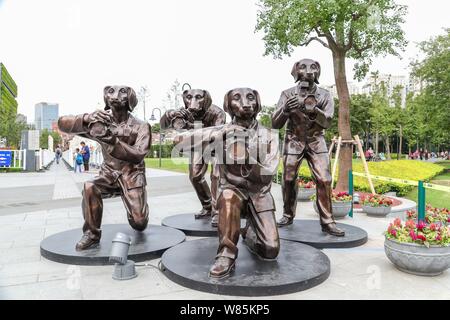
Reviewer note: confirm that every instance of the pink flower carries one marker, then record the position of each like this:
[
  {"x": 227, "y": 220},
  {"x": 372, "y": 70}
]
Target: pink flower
[
  {"x": 413, "y": 235},
  {"x": 410, "y": 224},
  {"x": 397, "y": 222},
  {"x": 438, "y": 238},
  {"x": 421, "y": 225},
  {"x": 433, "y": 227}
]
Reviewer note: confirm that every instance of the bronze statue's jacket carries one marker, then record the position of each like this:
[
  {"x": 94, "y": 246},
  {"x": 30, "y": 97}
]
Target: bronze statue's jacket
[
  {"x": 303, "y": 132},
  {"x": 126, "y": 157}
]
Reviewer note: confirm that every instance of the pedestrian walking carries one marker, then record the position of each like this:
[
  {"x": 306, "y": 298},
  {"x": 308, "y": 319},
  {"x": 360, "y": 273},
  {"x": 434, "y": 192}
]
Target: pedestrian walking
[{"x": 86, "y": 155}]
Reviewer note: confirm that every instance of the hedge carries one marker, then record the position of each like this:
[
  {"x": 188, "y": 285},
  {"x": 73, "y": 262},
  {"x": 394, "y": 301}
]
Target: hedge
[{"x": 402, "y": 169}]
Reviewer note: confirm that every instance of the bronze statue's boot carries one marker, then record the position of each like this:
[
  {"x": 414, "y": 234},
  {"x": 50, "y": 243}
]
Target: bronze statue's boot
[
  {"x": 285, "y": 221},
  {"x": 87, "y": 241},
  {"x": 333, "y": 230},
  {"x": 215, "y": 221},
  {"x": 222, "y": 267},
  {"x": 203, "y": 214}
]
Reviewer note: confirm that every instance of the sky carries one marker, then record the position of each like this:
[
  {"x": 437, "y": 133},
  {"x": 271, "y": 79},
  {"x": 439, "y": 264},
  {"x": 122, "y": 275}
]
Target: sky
[{"x": 68, "y": 51}]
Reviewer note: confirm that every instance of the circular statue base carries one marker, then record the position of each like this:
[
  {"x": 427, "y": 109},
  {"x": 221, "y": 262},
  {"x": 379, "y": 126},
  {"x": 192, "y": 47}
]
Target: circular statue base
[
  {"x": 310, "y": 232},
  {"x": 191, "y": 226},
  {"x": 146, "y": 245},
  {"x": 298, "y": 267}
]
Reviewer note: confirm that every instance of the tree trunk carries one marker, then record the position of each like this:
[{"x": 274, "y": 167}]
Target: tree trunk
[
  {"x": 377, "y": 138},
  {"x": 388, "y": 149},
  {"x": 345, "y": 158},
  {"x": 400, "y": 143}
]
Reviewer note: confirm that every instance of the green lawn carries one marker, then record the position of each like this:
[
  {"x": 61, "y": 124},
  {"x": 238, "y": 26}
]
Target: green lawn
[{"x": 176, "y": 164}]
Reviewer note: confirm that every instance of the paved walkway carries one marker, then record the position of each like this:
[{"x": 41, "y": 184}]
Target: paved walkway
[{"x": 357, "y": 273}]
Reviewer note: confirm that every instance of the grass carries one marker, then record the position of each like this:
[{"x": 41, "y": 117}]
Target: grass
[
  {"x": 175, "y": 164},
  {"x": 436, "y": 198}
]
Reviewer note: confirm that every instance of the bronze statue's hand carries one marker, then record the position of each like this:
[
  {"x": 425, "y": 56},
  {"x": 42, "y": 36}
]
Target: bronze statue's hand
[
  {"x": 100, "y": 116},
  {"x": 291, "y": 104}
]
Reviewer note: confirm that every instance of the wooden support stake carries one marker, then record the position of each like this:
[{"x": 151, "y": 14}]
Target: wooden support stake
[
  {"x": 366, "y": 167},
  {"x": 338, "y": 150}
]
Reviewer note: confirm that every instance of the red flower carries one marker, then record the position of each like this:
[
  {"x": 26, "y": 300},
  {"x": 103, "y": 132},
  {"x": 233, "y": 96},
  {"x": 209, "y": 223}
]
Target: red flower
[
  {"x": 393, "y": 232},
  {"x": 433, "y": 227},
  {"x": 421, "y": 237},
  {"x": 413, "y": 235},
  {"x": 438, "y": 237},
  {"x": 410, "y": 224},
  {"x": 398, "y": 222}
]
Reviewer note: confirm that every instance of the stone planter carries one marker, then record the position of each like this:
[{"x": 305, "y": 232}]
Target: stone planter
[
  {"x": 418, "y": 259},
  {"x": 376, "y": 211},
  {"x": 340, "y": 209},
  {"x": 304, "y": 194}
]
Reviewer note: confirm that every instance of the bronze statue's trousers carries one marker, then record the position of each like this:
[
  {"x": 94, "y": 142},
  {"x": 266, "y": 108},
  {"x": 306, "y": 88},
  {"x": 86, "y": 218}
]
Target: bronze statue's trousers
[
  {"x": 135, "y": 201},
  {"x": 261, "y": 227},
  {"x": 206, "y": 196},
  {"x": 319, "y": 163}
]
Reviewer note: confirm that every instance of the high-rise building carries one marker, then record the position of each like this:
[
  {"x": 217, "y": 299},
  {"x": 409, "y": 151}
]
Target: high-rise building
[
  {"x": 8, "y": 93},
  {"x": 46, "y": 115}
]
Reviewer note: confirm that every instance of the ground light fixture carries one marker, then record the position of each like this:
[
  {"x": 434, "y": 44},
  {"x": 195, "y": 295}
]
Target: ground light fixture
[{"x": 124, "y": 269}]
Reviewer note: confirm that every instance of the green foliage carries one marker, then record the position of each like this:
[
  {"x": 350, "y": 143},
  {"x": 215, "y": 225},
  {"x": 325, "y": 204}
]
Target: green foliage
[
  {"x": 357, "y": 29},
  {"x": 156, "y": 128},
  {"x": 43, "y": 139},
  {"x": 166, "y": 151},
  {"x": 265, "y": 119},
  {"x": 432, "y": 106}
]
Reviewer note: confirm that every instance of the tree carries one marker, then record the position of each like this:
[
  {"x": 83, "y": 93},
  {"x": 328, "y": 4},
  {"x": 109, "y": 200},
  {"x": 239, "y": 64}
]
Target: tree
[
  {"x": 43, "y": 139},
  {"x": 356, "y": 29},
  {"x": 434, "y": 101},
  {"x": 156, "y": 128},
  {"x": 173, "y": 96}
]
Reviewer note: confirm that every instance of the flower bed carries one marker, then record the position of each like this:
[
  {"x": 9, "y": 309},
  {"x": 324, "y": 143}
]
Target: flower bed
[
  {"x": 432, "y": 215},
  {"x": 341, "y": 204},
  {"x": 418, "y": 248},
  {"x": 305, "y": 189},
  {"x": 377, "y": 205}
]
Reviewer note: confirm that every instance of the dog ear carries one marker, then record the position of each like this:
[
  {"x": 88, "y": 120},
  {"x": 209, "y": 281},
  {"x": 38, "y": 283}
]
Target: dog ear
[
  {"x": 105, "y": 90},
  {"x": 258, "y": 101},
  {"x": 316, "y": 78},
  {"x": 132, "y": 99},
  {"x": 294, "y": 71},
  {"x": 208, "y": 100},
  {"x": 184, "y": 95},
  {"x": 227, "y": 102}
]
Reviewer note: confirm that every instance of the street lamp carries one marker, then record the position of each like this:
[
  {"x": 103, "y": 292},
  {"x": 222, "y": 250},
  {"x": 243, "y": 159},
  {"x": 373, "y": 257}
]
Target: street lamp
[
  {"x": 143, "y": 95},
  {"x": 152, "y": 118},
  {"x": 186, "y": 84},
  {"x": 368, "y": 134}
]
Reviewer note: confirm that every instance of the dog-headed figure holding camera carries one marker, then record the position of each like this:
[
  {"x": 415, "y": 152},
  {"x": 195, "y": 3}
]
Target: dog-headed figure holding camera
[
  {"x": 125, "y": 141},
  {"x": 307, "y": 111},
  {"x": 198, "y": 108}
]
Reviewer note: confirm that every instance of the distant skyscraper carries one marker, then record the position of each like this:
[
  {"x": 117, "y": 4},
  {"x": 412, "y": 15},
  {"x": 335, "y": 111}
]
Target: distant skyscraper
[{"x": 46, "y": 115}]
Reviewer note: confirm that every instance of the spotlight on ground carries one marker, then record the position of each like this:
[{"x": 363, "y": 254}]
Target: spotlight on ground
[{"x": 124, "y": 269}]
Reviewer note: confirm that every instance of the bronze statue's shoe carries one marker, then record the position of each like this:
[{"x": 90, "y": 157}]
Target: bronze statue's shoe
[
  {"x": 215, "y": 221},
  {"x": 222, "y": 267},
  {"x": 203, "y": 214},
  {"x": 333, "y": 230},
  {"x": 285, "y": 221},
  {"x": 86, "y": 242}
]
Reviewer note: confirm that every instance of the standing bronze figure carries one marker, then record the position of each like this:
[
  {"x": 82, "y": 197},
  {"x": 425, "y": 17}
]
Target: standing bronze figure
[
  {"x": 198, "y": 108},
  {"x": 125, "y": 142},
  {"x": 247, "y": 156},
  {"x": 307, "y": 111}
]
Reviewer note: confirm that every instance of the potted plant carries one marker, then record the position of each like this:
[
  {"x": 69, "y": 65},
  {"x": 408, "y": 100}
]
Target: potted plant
[
  {"x": 377, "y": 205},
  {"x": 418, "y": 248},
  {"x": 341, "y": 204},
  {"x": 432, "y": 215},
  {"x": 305, "y": 189}
]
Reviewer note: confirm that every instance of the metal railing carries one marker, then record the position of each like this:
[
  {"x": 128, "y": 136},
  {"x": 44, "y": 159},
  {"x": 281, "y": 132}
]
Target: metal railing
[{"x": 95, "y": 160}]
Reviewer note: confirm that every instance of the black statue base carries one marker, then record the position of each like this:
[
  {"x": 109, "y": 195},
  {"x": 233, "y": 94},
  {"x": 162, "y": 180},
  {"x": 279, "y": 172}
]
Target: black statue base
[
  {"x": 145, "y": 245},
  {"x": 193, "y": 227},
  {"x": 309, "y": 232},
  {"x": 298, "y": 267}
]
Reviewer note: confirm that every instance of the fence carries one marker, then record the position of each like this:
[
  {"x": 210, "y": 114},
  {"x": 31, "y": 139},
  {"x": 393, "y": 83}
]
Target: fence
[{"x": 13, "y": 159}]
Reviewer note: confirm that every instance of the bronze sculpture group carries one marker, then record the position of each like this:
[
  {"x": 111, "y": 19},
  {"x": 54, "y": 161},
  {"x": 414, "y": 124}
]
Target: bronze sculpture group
[{"x": 243, "y": 156}]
